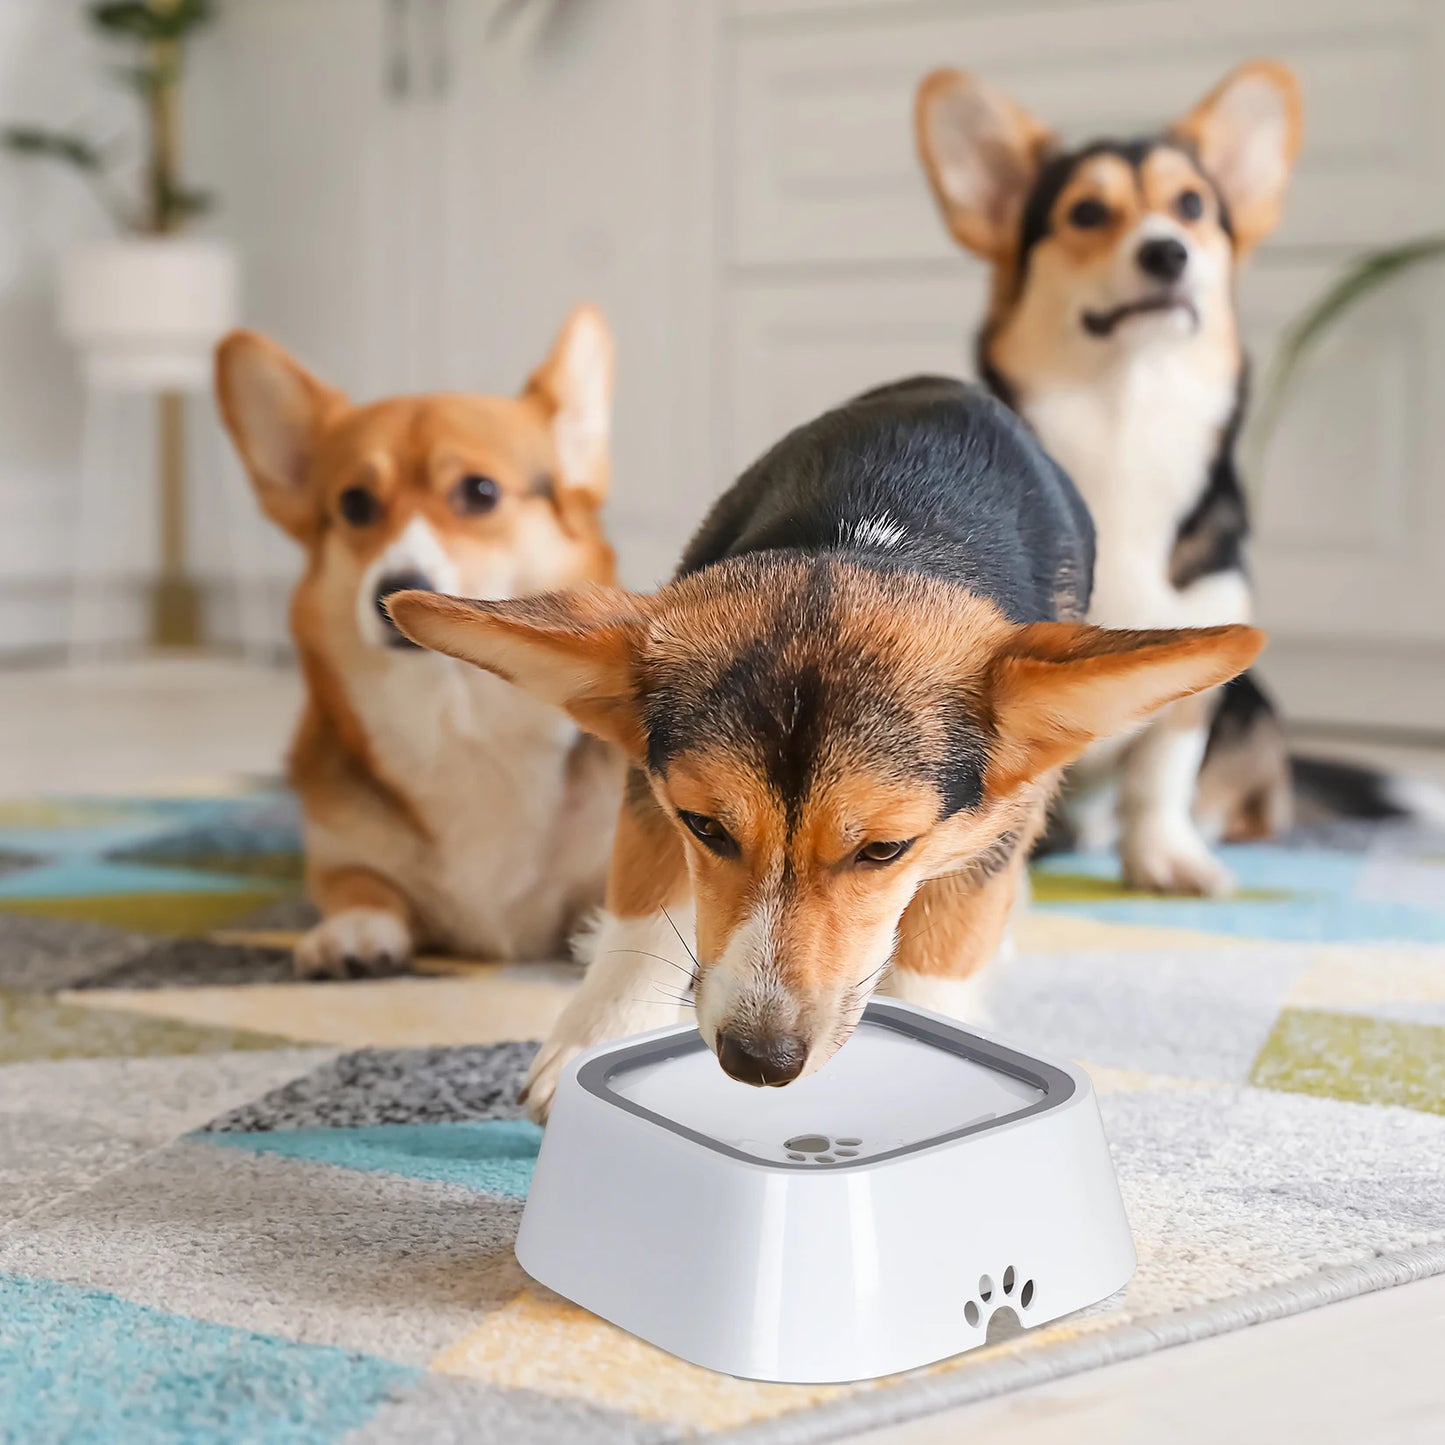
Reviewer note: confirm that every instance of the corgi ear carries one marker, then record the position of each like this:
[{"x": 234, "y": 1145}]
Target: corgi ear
[
  {"x": 577, "y": 650},
  {"x": 982, "y": 153},
  {"x": 275, "y": 411},
  {"x": 1247, "y": 133},
  {"x": 1059, "y": 686},
  {"x": 574, "y": 388}
]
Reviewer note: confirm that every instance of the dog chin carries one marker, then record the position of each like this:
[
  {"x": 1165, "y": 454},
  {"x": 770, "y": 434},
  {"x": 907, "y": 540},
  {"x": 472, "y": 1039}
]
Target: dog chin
[{"x": 1153, "y": 316}]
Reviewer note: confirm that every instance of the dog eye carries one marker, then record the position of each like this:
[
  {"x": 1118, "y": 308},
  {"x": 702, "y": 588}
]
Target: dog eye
[
  {"x": 1189, "y": 205},
  {"x": 475, "y": 494},
  {"x": 359, "y": 507},
  {"x": 1088, "y": 215},
  {"x": 708, "y": 830},
  {"x": 884, "y": 852}
]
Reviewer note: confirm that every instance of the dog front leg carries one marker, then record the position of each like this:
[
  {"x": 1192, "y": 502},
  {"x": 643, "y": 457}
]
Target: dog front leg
[
  {"x": 366, "y": 927},
  {"x": 952, "y": 930},
  {"x": 640, "y": 973},
  {"x": 1160, "y": 847}
]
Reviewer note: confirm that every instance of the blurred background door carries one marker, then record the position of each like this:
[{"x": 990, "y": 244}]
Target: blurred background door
[{"x": 419, "y": 189}]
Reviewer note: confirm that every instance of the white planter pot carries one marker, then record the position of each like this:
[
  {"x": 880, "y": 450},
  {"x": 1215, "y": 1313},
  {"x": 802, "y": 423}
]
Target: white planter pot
[{"x": 147, "y": 311}]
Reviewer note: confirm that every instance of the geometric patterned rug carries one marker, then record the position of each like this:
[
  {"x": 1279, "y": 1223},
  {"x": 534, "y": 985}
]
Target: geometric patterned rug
[{"x": 238, "y": 1207}]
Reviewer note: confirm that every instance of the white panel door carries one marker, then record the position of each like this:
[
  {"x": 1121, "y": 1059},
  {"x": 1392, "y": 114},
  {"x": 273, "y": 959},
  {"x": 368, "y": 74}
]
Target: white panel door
[
  {"x": 306, "y": 117},
  {"x": 293, "y": 116},
  {"x": 579, "y": 169}
]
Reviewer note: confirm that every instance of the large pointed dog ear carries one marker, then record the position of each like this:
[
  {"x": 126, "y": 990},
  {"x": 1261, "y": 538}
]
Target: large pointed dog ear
[
  {"x": 982, "y": 153},
  {"x": 577, "y": 650},
  {"x": 275, "y": 411},
  {"x": 1247, "y": 133},
  {"x": 574, "y": 388},
  {"x": 1059, "y": 686}
]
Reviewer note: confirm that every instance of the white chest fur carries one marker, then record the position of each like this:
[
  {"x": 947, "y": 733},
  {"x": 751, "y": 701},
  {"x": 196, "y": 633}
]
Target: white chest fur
[
  {"x": 1137, "y": 439},
  {"x": 516, "y": 846}
]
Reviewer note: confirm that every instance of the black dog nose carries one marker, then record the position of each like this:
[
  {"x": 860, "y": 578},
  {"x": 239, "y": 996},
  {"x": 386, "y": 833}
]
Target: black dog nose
[
  {"x": 773, "y": 1061},
  {"x": 1164, "y": 258},
  {"x": 400, "y": 582}
]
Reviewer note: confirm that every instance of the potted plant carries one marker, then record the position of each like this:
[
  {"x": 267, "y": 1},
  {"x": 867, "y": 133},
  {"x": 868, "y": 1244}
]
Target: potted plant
[{"x": 146, "y": 307}]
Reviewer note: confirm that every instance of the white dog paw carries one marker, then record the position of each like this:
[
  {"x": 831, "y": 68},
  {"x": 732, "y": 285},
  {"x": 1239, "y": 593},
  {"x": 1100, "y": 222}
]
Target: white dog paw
[
  {"x": 1172, "y": 858},
  {"x": 576, "y": 1031},
  {"x": 587, "y": 1021},
  {"x": 544, "y": 1076},
  {"x": 355, "y": 943}
]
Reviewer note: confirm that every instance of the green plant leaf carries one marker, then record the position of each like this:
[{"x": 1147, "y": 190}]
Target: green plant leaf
[
  {"x": 131, "y": 18},
  {"x": 1360, "y": 279},
  {"x": 29, "y": 140},
  {"x": 145, "y": 80},
  {"x": 182, "y": 203},
  {"x": 151, "y": 23}
]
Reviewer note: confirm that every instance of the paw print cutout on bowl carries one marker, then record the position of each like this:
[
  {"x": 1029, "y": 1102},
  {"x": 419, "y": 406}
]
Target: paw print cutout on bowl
[
  {"x": 977, "y": 1311},
  {"x": 821, "y": 1148}
]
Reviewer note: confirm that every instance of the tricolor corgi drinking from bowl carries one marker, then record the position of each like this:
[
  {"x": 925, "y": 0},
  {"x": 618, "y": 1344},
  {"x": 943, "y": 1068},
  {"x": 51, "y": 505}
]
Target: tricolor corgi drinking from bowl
[
  {"x": 1112, "y": 329},
  {"x": 844, "y": 718},
  {"x": 442, "y": 808}
]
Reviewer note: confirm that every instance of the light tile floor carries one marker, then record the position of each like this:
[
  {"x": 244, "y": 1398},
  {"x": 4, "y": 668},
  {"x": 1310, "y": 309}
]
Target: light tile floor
[{"x": 1364, "y": 1370}]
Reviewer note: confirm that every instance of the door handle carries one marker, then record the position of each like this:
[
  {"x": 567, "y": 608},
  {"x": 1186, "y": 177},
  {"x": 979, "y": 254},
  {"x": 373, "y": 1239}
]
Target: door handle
[{"x": 398, "y": 49}]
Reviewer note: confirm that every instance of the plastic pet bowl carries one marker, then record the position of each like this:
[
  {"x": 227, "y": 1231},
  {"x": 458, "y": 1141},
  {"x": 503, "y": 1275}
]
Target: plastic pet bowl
[{"x": 864, "y": 1220}]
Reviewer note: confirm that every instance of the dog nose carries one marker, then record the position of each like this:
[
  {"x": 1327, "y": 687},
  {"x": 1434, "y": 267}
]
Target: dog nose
[
  {"x": 1163, "y": 258},
  {"x": 400, "y": 582},
  {"x": 772, "y": 1061}
]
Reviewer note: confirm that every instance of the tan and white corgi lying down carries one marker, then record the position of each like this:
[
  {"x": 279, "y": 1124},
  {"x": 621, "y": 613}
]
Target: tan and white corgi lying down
[{"x": 443, "y": 808}]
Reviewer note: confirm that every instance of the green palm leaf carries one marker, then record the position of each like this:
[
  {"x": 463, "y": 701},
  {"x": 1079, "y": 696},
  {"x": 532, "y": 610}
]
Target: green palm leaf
[{"x": 1361, "y": 279}]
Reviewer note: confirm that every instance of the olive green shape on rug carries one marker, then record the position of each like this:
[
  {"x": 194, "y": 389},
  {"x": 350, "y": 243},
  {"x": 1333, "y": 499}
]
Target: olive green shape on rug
[
  {"x": 37, "y": 1026},
  {"x": 1353, "y": 1058},
  {"x": 1049, "y": 887},
  {"x": 152, "y": 912}
]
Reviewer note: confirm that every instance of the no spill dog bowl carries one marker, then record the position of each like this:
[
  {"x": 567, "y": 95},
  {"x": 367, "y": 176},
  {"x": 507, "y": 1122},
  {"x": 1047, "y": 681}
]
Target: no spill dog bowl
[{"x": 867, "y": 1219}]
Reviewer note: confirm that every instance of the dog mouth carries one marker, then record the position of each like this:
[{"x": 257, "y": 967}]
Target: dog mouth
[{"x": 1105, "y": 323}]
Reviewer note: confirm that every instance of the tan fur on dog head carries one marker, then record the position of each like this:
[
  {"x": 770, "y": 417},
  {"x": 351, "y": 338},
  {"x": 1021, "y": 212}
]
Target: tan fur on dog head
[
  {"x": 823, "y": 738},
  {"x": 1063, "y": 230},
  {"x": 507, "y": 490},
  {"x": 486, "y": 496}
]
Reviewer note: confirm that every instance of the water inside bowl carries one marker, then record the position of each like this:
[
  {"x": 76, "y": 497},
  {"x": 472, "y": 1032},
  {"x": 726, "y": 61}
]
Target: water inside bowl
[{"x": 883, "y": 1090}]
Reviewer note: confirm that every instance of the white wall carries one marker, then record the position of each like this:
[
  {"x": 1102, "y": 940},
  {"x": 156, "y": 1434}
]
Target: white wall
[{"x": 48, "y": 74}]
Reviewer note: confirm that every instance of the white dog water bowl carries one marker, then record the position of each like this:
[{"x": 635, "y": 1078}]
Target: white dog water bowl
[{"x": 867, "y": 1219}]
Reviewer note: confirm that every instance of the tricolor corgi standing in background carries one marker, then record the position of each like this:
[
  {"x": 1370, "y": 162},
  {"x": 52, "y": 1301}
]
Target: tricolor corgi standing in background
[
  {"x": 442, "y": 807},
  {"x": 1112, "y": 330}
]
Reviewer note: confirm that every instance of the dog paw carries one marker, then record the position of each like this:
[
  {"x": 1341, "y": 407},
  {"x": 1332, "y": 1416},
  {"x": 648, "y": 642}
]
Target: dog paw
[
  {"x": 544, "y": 1076},
  {"x": 570, "y": 1037},
  {"x": 356, "y": 943},
  {"x": 1171, "y": 859},
  {"x": 584, "y": 1023}
]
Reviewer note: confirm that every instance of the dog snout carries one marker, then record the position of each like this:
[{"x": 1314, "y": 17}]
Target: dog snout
[
  {"x": 764, "y": 1062},
  {"x": 1163, "y": 258},
  {"x": 399, "y": 582}
]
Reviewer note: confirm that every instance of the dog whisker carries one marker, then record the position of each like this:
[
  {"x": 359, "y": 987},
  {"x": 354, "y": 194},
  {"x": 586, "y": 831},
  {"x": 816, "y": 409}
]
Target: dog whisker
[
  {"x": 696, "y": 965},
  {"x": 642, "y": 952},
  {"x": 653, "y": 1002}
]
